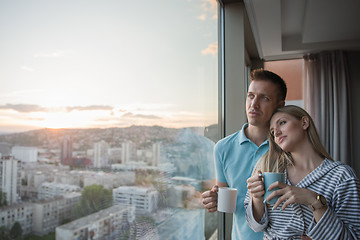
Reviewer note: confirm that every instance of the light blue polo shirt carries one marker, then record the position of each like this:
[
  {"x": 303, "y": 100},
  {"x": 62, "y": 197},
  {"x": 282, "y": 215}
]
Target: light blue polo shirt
[{"x": 235, "y": 159}]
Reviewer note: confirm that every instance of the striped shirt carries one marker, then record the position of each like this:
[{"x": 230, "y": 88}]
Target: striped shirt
[{"x": 338, "y": 183}]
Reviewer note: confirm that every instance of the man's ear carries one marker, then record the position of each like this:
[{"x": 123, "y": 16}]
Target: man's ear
[
  {"x": 282, "y": 103},
  {"x": 305, "y": 122}
]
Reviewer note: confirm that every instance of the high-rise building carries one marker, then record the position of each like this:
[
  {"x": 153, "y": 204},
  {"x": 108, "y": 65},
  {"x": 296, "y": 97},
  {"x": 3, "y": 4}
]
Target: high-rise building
[
  {"x": 114, "y": 155},
  {"x": 156, "y": 154},
  {"x": 126, "y": 152},
  {"x": 4, "y": 149},
  {"x": 101, "y": 154},
  {"x": 10, "y": 178},
  {"x": 25, "y": 154},
  {"x": 66, "y": 150}
]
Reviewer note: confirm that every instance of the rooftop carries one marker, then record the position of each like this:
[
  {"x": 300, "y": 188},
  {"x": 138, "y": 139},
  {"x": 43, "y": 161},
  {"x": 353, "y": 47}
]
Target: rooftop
[{"x": 91, "y": 219}]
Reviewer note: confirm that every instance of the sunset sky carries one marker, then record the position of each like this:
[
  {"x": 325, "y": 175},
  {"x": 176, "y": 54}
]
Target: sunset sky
[{"x": 107, "y": 63}]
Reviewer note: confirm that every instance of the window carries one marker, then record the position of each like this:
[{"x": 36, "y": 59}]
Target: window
[{"x": 105, "y": 95}]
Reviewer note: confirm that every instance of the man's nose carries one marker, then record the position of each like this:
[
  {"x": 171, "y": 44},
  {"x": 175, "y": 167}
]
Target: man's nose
[{"x": 255, "y": 103}]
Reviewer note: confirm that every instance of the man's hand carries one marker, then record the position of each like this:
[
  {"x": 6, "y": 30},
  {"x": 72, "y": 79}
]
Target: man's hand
[{"x": 210, "y": 199}]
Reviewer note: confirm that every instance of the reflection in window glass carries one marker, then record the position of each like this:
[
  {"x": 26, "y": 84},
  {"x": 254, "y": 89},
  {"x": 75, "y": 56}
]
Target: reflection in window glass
[{"x": 108, "y": 118}]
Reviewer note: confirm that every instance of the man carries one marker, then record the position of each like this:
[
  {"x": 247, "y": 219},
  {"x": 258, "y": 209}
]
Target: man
[{"x": 237, "y": 154}]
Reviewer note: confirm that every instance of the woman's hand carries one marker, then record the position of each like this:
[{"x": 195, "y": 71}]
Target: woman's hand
[
  {"x": 291, "y": 194},
  {"x": 255, "y": 186},
  {"x": 256, "y": 189}
]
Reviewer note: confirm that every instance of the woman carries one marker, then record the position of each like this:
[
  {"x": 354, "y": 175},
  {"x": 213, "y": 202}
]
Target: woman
[{"x": 321, "y": 197}]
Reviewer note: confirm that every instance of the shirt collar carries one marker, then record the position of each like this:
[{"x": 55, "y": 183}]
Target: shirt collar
[{"x": 243, "y": 138}]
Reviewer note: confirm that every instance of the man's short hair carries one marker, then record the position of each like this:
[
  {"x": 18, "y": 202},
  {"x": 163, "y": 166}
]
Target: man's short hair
[{"x": 265, "y": 75}]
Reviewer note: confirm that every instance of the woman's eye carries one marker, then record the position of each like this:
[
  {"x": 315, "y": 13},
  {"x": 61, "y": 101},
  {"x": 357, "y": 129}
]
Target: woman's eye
[
  {"x": 272, "y": 132},
  {"x": 282, "y": 122}
]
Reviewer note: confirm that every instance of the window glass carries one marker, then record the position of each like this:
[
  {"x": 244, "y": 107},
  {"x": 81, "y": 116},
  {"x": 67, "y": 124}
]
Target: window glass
[{"x": 108, "y": 117}]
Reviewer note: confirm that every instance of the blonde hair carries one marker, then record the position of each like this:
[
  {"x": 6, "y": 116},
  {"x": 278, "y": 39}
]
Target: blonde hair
[{"x": 276, "y": 159}]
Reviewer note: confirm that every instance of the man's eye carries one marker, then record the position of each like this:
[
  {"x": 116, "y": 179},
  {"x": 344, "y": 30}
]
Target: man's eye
[
  {"x": 266, "y": 98},
  {"x": 282, "y": 122},
  {"x": 251, "y": 96}
]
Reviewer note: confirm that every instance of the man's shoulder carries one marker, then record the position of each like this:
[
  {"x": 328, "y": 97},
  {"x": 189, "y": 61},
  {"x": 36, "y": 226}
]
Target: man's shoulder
[{"x": 228, "y": 141}]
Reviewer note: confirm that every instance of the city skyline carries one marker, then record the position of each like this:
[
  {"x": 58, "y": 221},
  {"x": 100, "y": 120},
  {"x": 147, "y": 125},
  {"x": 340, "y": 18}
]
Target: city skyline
[{"x": 92, "y": 64}]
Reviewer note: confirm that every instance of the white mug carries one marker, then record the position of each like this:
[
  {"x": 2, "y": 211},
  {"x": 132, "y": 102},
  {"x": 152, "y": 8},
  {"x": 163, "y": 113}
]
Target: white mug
[{"x": 227, "y": 199}]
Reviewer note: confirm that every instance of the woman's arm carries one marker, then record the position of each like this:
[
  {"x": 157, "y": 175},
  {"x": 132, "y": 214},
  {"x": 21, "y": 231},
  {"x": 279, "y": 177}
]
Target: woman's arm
[
  {"x": 255, "y": 208},
  {"x": 256, "y": 190},
  {"x": 339, "y": 221},
  {"x": 342, "y": 219}
]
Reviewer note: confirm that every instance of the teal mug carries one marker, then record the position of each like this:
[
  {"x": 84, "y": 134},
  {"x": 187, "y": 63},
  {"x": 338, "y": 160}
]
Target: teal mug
[{"x": 270, "y": 178}]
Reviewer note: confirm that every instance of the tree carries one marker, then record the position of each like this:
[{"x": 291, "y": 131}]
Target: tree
[
  {"x": 93, "y": 199},
  {"x": 16, "y": 231},
  {"x": 4, "y": 233},
  {"x": 81, "y": 183},
  {"x": 3, "y": 201}
]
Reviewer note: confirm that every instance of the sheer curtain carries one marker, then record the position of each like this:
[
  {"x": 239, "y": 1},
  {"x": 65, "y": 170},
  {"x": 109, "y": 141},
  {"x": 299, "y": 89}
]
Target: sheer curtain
[{"x": 326, "y": 98}]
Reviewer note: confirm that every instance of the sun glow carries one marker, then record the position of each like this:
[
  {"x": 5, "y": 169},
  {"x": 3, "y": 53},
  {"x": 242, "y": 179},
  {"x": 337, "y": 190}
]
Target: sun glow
[{"x": 75, "y": 119}]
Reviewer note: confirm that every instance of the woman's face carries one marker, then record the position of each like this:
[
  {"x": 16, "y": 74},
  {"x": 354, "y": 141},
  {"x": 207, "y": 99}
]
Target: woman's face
[{"x": 288, "y": 131}]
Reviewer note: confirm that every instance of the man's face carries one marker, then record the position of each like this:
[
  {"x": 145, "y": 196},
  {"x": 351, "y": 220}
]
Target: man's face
[{"x": 262, "y": 99}]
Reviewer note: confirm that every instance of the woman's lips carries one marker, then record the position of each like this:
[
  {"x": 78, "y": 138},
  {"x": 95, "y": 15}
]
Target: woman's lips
[{"x": 281, "y": 139}]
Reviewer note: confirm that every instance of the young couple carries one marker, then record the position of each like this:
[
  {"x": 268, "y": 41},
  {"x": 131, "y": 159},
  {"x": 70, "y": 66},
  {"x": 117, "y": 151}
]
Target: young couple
[{"x": 321, "y": 197}]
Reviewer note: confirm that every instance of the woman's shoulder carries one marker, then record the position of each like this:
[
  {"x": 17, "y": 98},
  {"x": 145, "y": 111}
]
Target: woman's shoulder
[{"x": 340, "y": 170}]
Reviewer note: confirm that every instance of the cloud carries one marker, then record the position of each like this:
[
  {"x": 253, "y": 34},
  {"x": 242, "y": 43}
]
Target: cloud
[
  {"x": 54, "y": 54},
  {"x": 34, "y": 119},
  {"x": 212, "y": 49},
  {"x": 209, "y": 7},
  {"x": 89, "y": 108},
  {"x": 26, "y": 68},
  {"x": 23, "y": 107},
  {"x": 146, "y": 116},
  {"x": 202, "y": 17}
]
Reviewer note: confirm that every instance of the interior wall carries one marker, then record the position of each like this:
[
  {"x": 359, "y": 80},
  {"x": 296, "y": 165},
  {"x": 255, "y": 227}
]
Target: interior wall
[{"x": 354, "y": 72}]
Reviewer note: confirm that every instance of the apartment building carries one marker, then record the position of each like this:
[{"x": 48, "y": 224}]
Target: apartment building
[
  {"x": 50, "y": 213},
  {"x": 101, "y": 154},
  {"x": 48, "y": 190},
  {"x": 144, "y": 199},
  {"x": 25, "y": 154},
  {"x": 10, "y": 178},
  {"x": 21, "y": 213},
  {"x": 107, "y": 224}
]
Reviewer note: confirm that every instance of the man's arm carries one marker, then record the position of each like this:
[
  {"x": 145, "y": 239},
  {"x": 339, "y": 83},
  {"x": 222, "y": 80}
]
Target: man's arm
[{"x": 210, "y": 197}]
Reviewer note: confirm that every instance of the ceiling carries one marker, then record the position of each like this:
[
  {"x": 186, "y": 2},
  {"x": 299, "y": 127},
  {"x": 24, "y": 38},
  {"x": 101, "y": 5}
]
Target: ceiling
[{"x": 285, "y": 29}]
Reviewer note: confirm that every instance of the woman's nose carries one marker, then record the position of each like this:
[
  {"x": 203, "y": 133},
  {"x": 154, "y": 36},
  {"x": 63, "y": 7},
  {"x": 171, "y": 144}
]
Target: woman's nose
[{"x": 277, "y": 132}]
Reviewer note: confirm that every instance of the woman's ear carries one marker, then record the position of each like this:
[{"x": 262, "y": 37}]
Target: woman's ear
[{"x": 305, "y": 122}]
